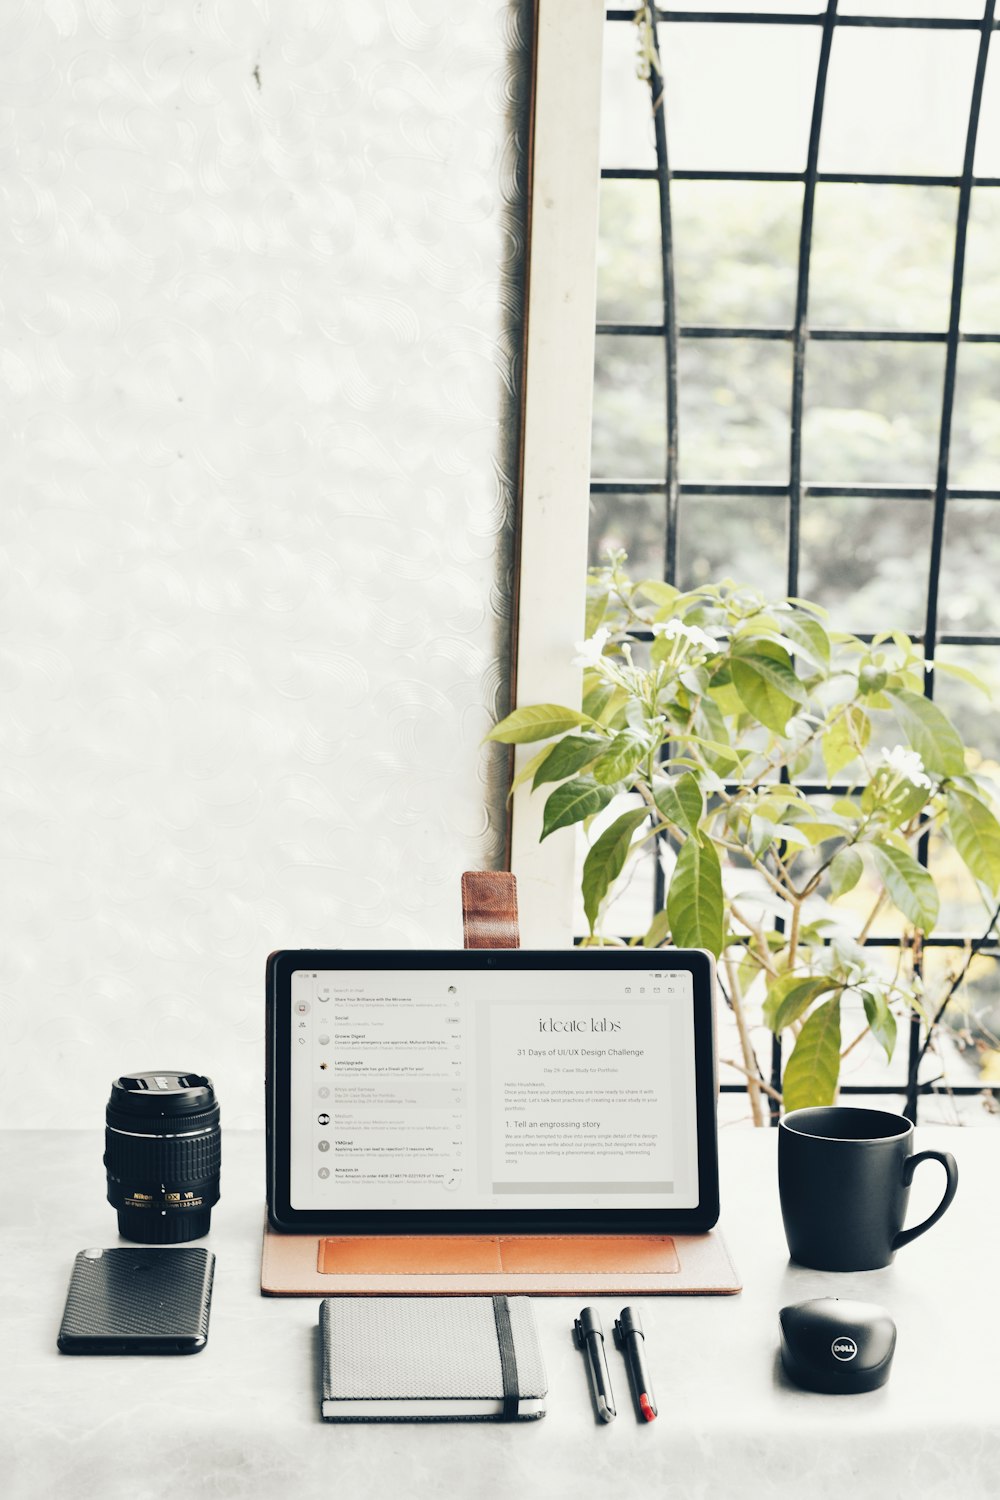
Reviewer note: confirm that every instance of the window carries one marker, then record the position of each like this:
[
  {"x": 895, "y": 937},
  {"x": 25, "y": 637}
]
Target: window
[{"x": 797, "y": 374}]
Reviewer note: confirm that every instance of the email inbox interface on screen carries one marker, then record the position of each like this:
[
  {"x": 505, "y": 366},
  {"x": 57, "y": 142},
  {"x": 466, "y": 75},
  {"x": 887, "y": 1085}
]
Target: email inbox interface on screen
[{"x": 472, "y": 1089}]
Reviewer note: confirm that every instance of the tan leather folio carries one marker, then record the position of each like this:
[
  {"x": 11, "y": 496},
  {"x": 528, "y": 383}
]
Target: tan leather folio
[{"x": 309, "y": 1265}]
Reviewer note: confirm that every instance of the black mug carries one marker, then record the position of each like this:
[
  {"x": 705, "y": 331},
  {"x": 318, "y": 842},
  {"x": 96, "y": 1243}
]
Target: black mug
[{"x": 844, "y": 1178}]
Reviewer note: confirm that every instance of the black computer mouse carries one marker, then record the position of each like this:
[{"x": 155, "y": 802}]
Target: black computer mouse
[{"x": 837, "y": 1346}]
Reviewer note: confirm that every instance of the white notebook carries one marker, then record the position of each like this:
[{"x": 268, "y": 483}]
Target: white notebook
[{"x": 430, "y": 1359}]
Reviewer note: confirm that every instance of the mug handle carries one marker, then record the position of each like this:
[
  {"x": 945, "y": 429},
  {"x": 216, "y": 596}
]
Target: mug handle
[{"x": 909, "y": 1167}]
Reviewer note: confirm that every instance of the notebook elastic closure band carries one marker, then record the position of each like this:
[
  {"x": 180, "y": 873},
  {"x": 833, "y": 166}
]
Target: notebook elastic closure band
[{"x": 508, "y": 1359}]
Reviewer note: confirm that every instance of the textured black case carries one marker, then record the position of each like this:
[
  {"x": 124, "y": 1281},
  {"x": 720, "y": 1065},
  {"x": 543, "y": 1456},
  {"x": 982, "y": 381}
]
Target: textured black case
[{"x": 138, "y": 1301}]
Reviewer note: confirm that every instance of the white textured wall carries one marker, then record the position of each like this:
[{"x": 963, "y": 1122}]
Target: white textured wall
[{"x": 260, "y": 312}]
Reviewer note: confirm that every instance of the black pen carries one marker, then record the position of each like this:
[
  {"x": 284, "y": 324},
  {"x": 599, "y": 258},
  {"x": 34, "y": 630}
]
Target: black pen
[
  {"x": 589, "y": 1334},
  {"x": 632, "y": 1341}
]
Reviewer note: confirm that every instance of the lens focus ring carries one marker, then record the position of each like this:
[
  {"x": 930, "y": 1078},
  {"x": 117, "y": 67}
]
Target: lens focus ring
[{"x": 152, "y": 1161}]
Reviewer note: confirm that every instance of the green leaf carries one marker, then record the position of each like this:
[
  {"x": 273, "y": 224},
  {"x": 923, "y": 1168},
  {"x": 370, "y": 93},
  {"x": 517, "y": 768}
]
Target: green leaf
[
  {"x": 695, "y": 680},
  {"x": 694, "y": 901},
  {"x": 791, "y": 995},
  {"x": 710, "y": 726},
  {"x": 881, "y": 1019},
  {"x": 597, "y": 694},
  {"x": 761, "y": 833},
  {"x": 680, "y": 801},
  {"x": 663, "y": 595},
  {"x": 766, "y": 682},
  {"x": 808, "y": 604},
  {"x": 846, "y": 869},
  {"x": 718, "y": 754},
  {"x": 931, "y": 733},
  {"x": 808, "y": 635},
  {"x": 621, "y": 757},
  {"x": 597, "y": 608},
  {"x": 659, "y": 931},
  {"x": 567, "y": 756},
  {"x": 540, "y": 722},
  {"x": 606, "y": 859},
  {"x": 819, "y": 831},
  {"x": 975, "y": 833},
  {"x": 812, "y": 1070},
  {"x": 572, "y": 802},
  {"x": 909, "y": 885},
  {"x": 529, "y": 770},
  {"x": 952, "y": 669},
  {"x": 613, "y": 705},
  {"x": 843, "y": 742}
]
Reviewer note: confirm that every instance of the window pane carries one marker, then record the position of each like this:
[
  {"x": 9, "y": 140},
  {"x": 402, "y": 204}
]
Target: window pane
[
  {"x": 963, "y": 909},
  {"x": 971, "y": 1026},
  {"x": 975, "y": 435},
  {"x": 635, "y": 523},
  {"x": 981, "y": 286},
  {"x": 903, "y": 237},
  {"x": 987, "y": 163},
  {"x": 951, "y": 10},
  {"x": 734, "y": 398},
  {"x": 736, "y": 247},
  {"x": 773, "y": 7},
  {"x": 629, "y": 432},
  {"x": 741, "y": 537},
  {"x": 866, "y": 561},
  {"x": 626, "y": 103},
  {"x": 629, "y": 275},
  {"x": 897, "y": 100},
  {"x": 970, "y": 567},
  {"x": 972, "y": 712},
  {"x": 739, "y": 97},
  {"x": 873, "y": 412}
]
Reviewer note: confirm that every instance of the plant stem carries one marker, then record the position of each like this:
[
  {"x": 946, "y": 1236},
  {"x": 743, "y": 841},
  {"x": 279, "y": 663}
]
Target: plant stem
[
  {"x": 736, "y": 846},
  {"x": 793, "y": 935},
  {"x": 866, "y": 929},
  {"x": 729, "y": 1062},
  {"x": 746, "y": 1046},
  {"x": 764, "y": 953},
  {"x": 851, "y": 1045}
]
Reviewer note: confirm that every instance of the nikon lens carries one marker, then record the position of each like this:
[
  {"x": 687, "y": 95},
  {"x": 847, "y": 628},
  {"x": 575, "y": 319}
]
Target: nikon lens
[{"x": 162, "y": 1152}]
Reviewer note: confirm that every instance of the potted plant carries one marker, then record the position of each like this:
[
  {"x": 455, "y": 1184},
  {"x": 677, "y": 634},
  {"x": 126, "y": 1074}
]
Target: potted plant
[{"x": 700, "y": 713}]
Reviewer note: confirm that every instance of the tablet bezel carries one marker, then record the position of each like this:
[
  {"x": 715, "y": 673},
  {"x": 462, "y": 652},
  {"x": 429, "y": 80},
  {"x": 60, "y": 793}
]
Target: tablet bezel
[{"x": 283, "y": 1216}]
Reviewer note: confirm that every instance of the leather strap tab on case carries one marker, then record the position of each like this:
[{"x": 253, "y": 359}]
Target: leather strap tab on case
[
  {"x": 489, "y": 909},
  {"x": 508, "y": 1358},
  {"x": 590, "y": 1254},
  {"x": 409, "y": 1255}
]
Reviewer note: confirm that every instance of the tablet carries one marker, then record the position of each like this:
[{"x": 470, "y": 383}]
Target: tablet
[{"x": 491, "y": 1091}]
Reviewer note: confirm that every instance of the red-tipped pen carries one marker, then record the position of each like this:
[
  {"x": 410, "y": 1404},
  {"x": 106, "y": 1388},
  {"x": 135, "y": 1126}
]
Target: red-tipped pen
[{"x": 632, "y": 1341}]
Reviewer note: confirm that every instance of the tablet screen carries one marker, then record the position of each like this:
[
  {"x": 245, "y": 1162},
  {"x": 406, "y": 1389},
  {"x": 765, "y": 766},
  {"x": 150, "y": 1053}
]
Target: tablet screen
[{"x": 476, "y": 1089}]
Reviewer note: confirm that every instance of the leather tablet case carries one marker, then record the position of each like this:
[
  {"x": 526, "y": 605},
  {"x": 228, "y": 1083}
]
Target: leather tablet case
[{"x": 307, "y": 1265}]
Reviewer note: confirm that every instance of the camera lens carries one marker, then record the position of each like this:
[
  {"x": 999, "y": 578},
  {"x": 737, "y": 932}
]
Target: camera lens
[{"x": 162, "y": 1152}]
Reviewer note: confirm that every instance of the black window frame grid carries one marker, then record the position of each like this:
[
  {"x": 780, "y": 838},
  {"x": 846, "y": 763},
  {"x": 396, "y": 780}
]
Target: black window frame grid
[{"x": 800, "y": 335}]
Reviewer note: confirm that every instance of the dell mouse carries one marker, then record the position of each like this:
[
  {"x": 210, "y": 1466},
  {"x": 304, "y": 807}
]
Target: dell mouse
[{"x": 837, "y": 1346}]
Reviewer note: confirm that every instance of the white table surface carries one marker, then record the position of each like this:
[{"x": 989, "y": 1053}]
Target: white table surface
[{"x": 241, "y": 1418}]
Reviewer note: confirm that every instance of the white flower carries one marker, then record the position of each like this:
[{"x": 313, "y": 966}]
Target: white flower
[
  {"x": 676, "y": 630},
  {"x": 907, "y": 764},
  {"x": 590, "y": 652}
]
